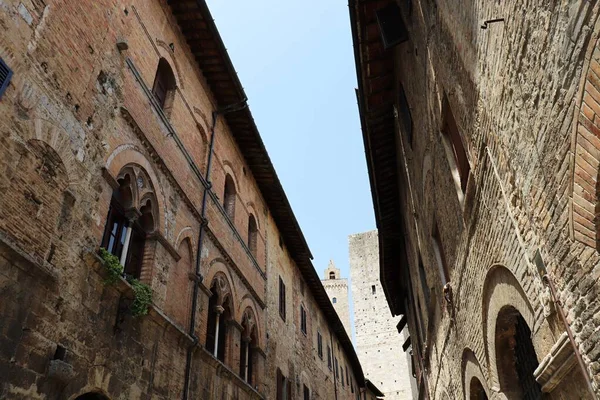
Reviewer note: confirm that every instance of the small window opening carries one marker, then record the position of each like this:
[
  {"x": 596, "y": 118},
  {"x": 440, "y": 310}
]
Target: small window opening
[
  {"x": 373, "y": 289},
  {"x": 334, "y": 300},
  {"x": 332, "y": 275},
  {"x": 164, "y": 86},
  {"x": 252, "y": 235},
  {"x": 60, "y": 353}
]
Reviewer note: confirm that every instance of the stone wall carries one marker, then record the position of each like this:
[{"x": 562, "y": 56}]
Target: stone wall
[
  {"x": 77, "y": 120},
  {"x": 523, "y": 92},
  {"x": 378, "y": 344}
]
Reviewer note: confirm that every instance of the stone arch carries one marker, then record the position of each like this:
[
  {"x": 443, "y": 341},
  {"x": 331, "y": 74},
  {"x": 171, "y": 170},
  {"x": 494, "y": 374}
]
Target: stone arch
[
  {"x": 168, "y": 54},
  {"x": 501, "y": 289},
  {"x": 59, "y": 140},
  {"x": 585, "y": 150},
  {"x": 246, "y": 304},
  {"x": 129, "y": 154},
  {"x": 471, "y": 369},
  {"x": 218, "y": 267}
]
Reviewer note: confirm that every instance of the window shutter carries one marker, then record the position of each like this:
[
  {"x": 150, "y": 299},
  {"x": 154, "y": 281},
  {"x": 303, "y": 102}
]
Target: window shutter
[
  {"x": 279, "y": 385},
  {"x": 5, "y": 75}
]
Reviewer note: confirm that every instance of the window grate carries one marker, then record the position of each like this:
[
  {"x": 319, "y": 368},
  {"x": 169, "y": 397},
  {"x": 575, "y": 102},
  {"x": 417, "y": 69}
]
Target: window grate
[{"x": 5, "y": 75}]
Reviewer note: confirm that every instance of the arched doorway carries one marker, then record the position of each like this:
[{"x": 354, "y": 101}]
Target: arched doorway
[
  {"x": 476, "y": 390},
  {"x": 515, "y": 356}
]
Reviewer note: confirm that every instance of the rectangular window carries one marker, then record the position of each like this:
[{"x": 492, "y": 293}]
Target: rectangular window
[
  {"x": 329, "y": 357},
  {"x": 284, "y": 387},
  {"x": 320, "y": 345},
  {"x": 342, "y": 367},
  {"x": 5, "y": 75},
  {"x": 459, "y": 158},
  {"x": 440, "y": 258},
  {"x": 281, "y": 298},
  {"x": 306, "y": 393},
  {"x": 303, "y": 319},
  {"x": 404, "y": 116},
  {"x": 373, "y": 289},
  {"x": 347, "y": 380},
  {"x": 337, "y": 369}
]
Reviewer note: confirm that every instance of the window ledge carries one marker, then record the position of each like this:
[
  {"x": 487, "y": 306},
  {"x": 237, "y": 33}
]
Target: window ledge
[
  {"x": 123, "y": 287},
  {"x": 224, "y": 370}
]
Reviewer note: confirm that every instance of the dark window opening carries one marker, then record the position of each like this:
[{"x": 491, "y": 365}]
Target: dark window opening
[
  {"x": 373, "y": 289},
  {"x": 306, "y": 393},
  {"x": 332, "y": 275},
  {"x": 334, "y": 300},
  {"x": 164, "y": 85},
  {"x": 320, "y": 345},
  {"x": 5, "y": 76},
  {"x": 303, "y": 319},
  {"x": 229, "y": 197},
  {"x": 281, "y": 298},
  {"x": 329, "y": 358},
  {"x": 252, "y": 235},
  {"x": 451, "y": 133}
]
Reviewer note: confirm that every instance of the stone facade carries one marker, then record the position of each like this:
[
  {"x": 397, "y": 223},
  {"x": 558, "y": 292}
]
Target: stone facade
[
  {"x": 124, "y": 126},
  {"x": 337, "y": 290},
  {"x": 482, "y": 142},
  {"x": 378, "y": 344}
]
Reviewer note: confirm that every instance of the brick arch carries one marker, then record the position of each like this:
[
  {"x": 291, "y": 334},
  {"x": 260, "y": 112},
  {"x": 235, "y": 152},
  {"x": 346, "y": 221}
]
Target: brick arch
[
  {"x": 228, "y": 169},
  {"x": 126, "y": 154},
  {"x": 187, "y": 233},
  {"x": 58, "y": 140},
  {"x": 471, "y": 369},
  {"x": 252, "y": 211},
  {"x": 166, "y": 53},
  {"x": 585, "y": 162},
  {"x": 501, "y": 289}
]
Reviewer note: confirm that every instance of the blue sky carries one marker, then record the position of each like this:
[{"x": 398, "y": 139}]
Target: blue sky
[{"x": 295, "y": 60}]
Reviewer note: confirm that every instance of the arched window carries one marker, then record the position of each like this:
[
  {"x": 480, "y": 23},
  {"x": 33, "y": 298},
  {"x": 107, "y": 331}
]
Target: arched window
[
  {"x": 476, "y": 390},
  {"x": 229, "y": 197},
  {"x": 334, "y": 300},
  {"x": 92, "y": 396},
  {"x": 332, "y": 275},
  {"x": 164, "y": 85},
  {"x": 252, "y": 234},
  {"x": 247, "y": 348},
  {"x": 130, "y": 220},
  {"x": 515, "y": 356},
  {"x": 219, "y": 313}
]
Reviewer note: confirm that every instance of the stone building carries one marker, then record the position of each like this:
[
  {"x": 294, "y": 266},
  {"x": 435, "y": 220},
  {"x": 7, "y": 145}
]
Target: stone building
[
  {"x": 337, "y": 290},
  {"x": 378, "y": 344},
  {"x": 481, "y": 125},
  {"x": 124, "y": 126}
]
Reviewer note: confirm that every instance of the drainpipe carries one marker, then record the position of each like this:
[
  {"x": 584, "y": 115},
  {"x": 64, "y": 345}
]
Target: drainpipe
[
  {"x": 546, "y": 279},
  {"x": 215, "y": 114}
]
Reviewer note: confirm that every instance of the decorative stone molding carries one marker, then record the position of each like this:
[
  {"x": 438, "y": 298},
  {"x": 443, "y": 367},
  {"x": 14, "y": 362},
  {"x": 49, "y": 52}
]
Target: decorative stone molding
[{"x": 556, "y": 365}]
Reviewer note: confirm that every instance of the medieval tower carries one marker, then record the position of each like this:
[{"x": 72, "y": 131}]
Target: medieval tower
[
  {"x": 378, "y": 344},
  {"x": 337, "y": 290}
]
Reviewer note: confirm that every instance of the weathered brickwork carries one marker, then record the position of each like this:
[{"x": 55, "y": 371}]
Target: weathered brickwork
[
  {"x": 337, "y": 290},
  {"x": 523, "y": 92},
  {"x": 378, "y": 344},
  {"x": 84, "y": 139}
]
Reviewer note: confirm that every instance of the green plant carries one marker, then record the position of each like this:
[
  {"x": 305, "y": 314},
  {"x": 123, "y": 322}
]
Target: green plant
[
  {"x": 112, "y": 265},
  {"x": 142, "y": 297}
]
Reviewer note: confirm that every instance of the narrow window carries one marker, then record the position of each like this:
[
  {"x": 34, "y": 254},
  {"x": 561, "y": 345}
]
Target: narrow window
[
  {"x": 5, "y": 75},
  {"x": 281, "y": 299},
  {"x": 320, "y": 345},
  {"x": 440, "y": 258},
  {"x": 424, "y": 286},
  {"x": 329, "y": 357},
  {"x": 303, "y": 319},
  {"x": 373, "y": 290},
  {"x": 337, "y": 369},
  {"x": 347, "y": 380},
  {"x": 332, "y": 275},
  {"x": 342, "y": 368},
  {"x": 459, "y": 159},
  {"x": 252, "y": 234},
  {"x": 404, "y": 115},
  {"x": 164, "y": 86},
  {"x": 334, "y": 300},
  {"x": 229, "y": 197},
  {"x": 306, "y": 393}
]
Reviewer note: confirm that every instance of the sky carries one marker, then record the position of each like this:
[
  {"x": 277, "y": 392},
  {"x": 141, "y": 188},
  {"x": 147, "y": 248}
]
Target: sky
[{"x": 295, "y": 60}]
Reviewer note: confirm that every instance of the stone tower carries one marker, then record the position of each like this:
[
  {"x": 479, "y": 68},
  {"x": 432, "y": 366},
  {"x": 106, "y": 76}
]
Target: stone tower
[
  {"x": 337, "y": 289},
  {"x": 378, "y": 344}
]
